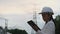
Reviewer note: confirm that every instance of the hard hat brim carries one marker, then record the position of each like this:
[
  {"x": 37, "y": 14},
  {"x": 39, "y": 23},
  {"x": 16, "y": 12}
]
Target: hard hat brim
[
  {"x": 47, "y": 13},
  {"x": 40, "y": 13}
]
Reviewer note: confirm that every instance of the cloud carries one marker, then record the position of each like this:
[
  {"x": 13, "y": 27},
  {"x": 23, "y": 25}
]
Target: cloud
[{"x": 24, "y": 6}]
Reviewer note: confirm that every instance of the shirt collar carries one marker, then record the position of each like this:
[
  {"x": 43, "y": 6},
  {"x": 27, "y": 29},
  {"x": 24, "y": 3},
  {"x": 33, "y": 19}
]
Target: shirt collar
[{"x": 48, "y": 21}]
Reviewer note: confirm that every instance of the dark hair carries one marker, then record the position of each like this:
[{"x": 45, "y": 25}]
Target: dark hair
[{"x": 51, "y": 18}]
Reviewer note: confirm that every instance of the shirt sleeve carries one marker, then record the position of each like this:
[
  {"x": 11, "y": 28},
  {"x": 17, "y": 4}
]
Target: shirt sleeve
[{"x": 48, "y": 29}]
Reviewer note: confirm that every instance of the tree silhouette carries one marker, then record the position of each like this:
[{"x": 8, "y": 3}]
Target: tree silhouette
[
  {"x": 57, "y": 24},
  {"x": 17, "y": 31}
]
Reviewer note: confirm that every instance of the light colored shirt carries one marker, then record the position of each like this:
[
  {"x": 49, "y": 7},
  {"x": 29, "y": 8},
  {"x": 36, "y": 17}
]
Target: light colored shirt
[{"x": 49, "y": 28}]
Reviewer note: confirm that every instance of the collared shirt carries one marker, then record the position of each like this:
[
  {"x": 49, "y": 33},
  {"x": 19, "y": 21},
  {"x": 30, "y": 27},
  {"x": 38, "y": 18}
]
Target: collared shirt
[{"x": 49, "y": 28}]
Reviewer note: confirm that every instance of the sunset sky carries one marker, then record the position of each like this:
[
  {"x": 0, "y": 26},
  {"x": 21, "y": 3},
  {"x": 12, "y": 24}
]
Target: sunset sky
[{"x": 18, "y": 12}]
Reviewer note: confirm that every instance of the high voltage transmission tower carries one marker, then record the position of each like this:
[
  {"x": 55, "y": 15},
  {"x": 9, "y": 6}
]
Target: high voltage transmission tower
[{"x": 34, "y": 18}]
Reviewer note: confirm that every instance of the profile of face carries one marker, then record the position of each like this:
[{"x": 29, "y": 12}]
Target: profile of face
[{"x": 45, "y": 17}]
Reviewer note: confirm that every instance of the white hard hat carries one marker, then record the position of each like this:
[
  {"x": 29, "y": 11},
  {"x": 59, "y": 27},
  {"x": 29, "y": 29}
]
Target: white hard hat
[{"x": 47, "y": 10}]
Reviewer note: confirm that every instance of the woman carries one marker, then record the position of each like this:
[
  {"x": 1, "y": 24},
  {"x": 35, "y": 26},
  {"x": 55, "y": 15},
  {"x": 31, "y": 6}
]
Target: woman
[{"x": 49, "y": 27}]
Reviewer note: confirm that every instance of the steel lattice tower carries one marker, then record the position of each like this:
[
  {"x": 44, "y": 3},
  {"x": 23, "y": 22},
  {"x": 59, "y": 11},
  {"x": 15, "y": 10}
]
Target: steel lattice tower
[{"x": 34, "y": 17}]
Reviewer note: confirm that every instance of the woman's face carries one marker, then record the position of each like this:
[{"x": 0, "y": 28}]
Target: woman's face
[{"x": 45, "y": 17}]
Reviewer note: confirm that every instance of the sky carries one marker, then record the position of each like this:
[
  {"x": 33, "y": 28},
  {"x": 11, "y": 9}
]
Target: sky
[{"x": 18, "y": 12}]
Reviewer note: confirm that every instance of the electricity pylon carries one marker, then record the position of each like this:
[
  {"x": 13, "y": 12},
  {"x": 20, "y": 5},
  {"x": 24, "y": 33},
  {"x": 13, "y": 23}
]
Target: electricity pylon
[
  {"x": 6, "y": 21},
  {"x": 34, "y": 18}
]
